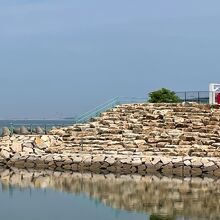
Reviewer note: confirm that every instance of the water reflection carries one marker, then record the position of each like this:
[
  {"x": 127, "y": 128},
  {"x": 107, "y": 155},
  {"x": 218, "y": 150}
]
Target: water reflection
[{"x": 161, "y": 197}]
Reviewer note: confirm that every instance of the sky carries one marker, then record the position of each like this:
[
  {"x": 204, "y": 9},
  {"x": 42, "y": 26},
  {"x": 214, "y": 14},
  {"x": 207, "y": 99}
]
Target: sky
[{"x": 60, "y": 58}]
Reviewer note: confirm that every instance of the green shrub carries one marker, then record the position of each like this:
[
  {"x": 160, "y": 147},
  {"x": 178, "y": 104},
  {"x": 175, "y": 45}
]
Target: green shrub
[{"x": 163, "y": 96}]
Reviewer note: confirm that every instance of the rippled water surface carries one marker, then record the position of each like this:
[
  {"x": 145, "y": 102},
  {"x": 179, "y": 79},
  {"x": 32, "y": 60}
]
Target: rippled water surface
[{"x": 56, "y": 195}]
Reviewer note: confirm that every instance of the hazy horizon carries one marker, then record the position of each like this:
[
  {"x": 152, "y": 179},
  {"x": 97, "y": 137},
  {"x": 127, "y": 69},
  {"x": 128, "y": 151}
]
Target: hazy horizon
[{"x": 61, "y": 58}]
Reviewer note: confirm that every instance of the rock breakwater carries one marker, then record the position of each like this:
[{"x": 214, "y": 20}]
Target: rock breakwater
[{"x": 181, "y": 139}]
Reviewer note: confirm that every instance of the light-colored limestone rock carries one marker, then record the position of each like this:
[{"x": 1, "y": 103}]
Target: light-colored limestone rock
[
  {"x": 98, "y": 158},
  {"x": 196, "y": 163},
  {"x": 38, "y": 140},
  {"x": 126, "y": 160},
  {"x": 45, "y": 138},
  {"x": 77, "y": 159},
  {"x": 27, "y": 150},
  {"x": 110, "y": 160},
  {"x": 136, "y": 162},
  {"x": 16, "y": 147},
  {"x": 5, "y": 154},
  {"x": 38, "y": 151},
  {"x": 27, "y": 145}
]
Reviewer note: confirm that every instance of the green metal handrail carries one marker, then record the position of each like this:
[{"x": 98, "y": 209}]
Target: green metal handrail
[
  {"x": 114, "y": 100},
  {"x": 96, "y": 111},
  {"x": 106, "y": 106}
]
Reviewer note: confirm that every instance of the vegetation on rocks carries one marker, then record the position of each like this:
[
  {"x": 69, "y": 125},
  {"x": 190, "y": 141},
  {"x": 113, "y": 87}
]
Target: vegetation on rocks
[{"x": 163, "y": 96}]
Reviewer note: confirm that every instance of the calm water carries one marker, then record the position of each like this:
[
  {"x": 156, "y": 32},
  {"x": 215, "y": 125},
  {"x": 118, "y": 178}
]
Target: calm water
[
  {"x": 56, "y": 195},
  {"x": 48, "y": 204}
]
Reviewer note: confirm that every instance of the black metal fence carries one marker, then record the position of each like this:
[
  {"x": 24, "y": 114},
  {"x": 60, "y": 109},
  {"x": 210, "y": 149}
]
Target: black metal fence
[{"x": 194, "y": 96}]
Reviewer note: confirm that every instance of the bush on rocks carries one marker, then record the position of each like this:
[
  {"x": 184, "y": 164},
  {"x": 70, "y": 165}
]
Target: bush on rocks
[{"x": 163, "y": 96}]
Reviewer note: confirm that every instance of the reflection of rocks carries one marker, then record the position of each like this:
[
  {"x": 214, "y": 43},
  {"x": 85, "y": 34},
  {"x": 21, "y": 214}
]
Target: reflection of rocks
[{"x": 189, "y": 197}]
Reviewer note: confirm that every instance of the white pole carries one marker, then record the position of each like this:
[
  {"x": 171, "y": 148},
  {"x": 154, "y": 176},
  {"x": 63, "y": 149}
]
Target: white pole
[{"x": 210, "y": 93}]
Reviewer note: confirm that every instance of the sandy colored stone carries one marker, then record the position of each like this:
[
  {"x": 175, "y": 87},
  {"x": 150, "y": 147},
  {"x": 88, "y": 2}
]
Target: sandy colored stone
[
  {"x": 77, "y": 159},
  {"x": 147, "y": 161},
  {"x": 16, "y": 147},
  {"x": 167, "y": 166},
  {"x": 196, "y": 163},
  {"x": 42, "y": 146},
  {"x": 38, "y": 151},
  {"x": 187, "y": 163},
  {"x": 45, "y": 138},
  {"x": 27, "y": 144},
  {"x": 136, "y": 162},
  {"x": 38, "y": 140},
  {"x": 27, "y": 150},
  {"x": 155, "y": 160},
  {"x": 110, "y": 160},
  {"x": 165, "y": 160},
  {"x": 5, "y": 154},
  {"x": 126, "y": 160},
  {"x": 98, "y": 158}
]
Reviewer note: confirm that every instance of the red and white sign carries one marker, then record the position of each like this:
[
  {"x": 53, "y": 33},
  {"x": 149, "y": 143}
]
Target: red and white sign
[{"x": 214, "y": 93}]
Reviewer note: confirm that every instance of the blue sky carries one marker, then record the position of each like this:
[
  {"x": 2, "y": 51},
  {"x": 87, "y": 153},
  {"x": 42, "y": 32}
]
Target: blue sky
[{"x": 61, "y": 58}]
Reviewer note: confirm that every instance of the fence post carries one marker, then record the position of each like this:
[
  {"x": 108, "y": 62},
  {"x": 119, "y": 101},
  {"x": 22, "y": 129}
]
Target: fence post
[
  {"x": 11, "y": 128},
  {"x": 185, "y": 96},
  {"x": 198, "y": 97}
]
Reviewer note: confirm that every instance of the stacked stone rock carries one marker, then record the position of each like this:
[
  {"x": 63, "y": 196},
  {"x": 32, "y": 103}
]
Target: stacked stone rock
[
  {"x": 181, "y": 139},
  {"x": 148, "y": 129},
  {"x": 191, "y": 198}
]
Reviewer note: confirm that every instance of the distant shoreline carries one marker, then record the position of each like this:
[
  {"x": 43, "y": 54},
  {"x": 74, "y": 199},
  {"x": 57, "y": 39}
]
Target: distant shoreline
[{"x": 36, "y": 119}]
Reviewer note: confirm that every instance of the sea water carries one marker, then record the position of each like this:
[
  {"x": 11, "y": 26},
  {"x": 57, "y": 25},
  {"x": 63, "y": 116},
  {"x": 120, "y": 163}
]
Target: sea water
[{"x": 43, "y": 194}]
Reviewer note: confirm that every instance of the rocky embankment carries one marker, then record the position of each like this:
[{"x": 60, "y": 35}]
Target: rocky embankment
[
  {"x": 191, "y": 198},
  {"x": 181, "y": 139}
]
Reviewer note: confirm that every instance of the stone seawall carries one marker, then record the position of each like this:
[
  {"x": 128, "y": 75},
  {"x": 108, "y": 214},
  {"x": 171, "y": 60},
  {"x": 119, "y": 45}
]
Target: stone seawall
[
  {"x": 32, "y": 152},
  {"x": 180, "y": 139}
]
